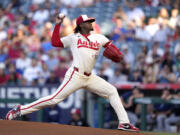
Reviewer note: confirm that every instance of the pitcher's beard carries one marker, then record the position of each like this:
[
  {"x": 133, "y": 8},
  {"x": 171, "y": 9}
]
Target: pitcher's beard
[{"x": 91, "y": 29}]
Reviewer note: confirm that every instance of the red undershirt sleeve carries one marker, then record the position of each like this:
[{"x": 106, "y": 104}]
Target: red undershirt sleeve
[
  {"x": 107, "y": 44},
  {"x": 55, "y": 39}
]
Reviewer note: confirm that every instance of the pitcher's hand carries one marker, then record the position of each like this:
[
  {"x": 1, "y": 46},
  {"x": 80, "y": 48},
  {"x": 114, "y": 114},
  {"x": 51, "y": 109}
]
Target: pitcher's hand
[{"x": 59, "y": 18}]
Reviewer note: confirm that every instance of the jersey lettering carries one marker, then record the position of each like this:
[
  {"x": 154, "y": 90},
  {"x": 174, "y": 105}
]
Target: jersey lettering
[{"x": 91, "y": 45}]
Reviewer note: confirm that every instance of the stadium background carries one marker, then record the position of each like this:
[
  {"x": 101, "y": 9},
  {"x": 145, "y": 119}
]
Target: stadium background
[{"x": 147, "y": 31}]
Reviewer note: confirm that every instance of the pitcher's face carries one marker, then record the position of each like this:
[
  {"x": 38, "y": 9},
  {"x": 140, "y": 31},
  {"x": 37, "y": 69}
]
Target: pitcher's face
[{"x": 87, "y": 25}]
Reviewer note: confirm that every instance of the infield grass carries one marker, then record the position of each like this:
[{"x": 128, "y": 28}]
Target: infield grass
[{"x": 163, "y": 133}]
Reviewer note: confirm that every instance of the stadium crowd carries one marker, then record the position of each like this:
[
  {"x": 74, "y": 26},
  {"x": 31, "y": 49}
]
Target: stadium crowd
[{"x": 27, "y": 57}]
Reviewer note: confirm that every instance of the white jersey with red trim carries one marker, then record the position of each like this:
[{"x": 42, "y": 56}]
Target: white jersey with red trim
[{"x": 84, "y": 49}]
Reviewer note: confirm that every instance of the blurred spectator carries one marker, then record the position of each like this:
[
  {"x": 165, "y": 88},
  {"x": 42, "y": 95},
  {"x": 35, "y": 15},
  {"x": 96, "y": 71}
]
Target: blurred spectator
[
  {"x": 44, "y": 74},
  {"x": 71, "y": 3},
  {"x": 152, "y": 26},
  {"x": 144, "y": 49},
  {"x": 140, "y": 63},
  {"x": 52, "y": 62},
  {"x": 23, "y": 62},
  {"x": 77, "y": 120},
  {"x": 107, "y": 28},
  {"x": 118, "y": 77},
  {"x": 14, "y": 50},
  {"x": 156, "y": 51},
  {"x": 3, "y": 34},
  {"x": 161, "y": 35},
  {"x": 166, "y": 76},
  {"x": 174, "y": 18},
  {"x": 174, "y": 117},
  {"x": 52, "y": 79},
  {"x": 41, "y": 56},
  {"x": 108, "y": 71},
  {"x": 167, "y": 49},
  {"x": 163, "y": 110},
  {"x": 32, "y": 72},
  {"x": 41, "y": 15},
  {"x": 3, "y": 76},
  {"x": 135, "y": 76},
  {"x": 33, "y": 44},
  {"x": 38, "y": 1},
  {"x": 23, "y": 81},
  {"x": 77, "y": 3},
  {"x": 177, "y": 73},
  {"x": 128, "y": 55},
  {"x": 142, "y": 34},
  {"x": 135, "y": 13},
  {"x": 153, "y": 3},
  {"x": 12, "y": 76},
  {"x": 131, "y": 30},
  {"x": 119, "y": 13},
  {"x": 151, "y": 70},
  {"x": 132, "y": 107},
  {"x": 163, "y": 15},
  {"x": 177, "y": 60},
  {"x": 119, "y": 32},
  {"x": 101, "y": 74},
  {"x": 46, "y": 37},
  {"x": 86, "y": 3},
  {"x": 3, "y": 55},
  {"x": 122, "y": 33},
  {"x": 177, "y": 49},
  {"x": 60, "y": 70},
  {"x": 52, "y": 114},
  {"x": 168, "y": 60}
]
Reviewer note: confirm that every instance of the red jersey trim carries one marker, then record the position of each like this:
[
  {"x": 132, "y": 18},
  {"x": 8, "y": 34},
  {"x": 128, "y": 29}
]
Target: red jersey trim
[
  {"x": 87, "y": 47},
  {"x": 108, "y": 43},
  {"x": 54, "y": 95}
]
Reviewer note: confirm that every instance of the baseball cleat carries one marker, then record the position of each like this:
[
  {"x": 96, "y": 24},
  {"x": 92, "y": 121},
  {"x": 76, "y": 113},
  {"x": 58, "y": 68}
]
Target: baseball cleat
[
  {"x": 127, "y": 127},
  {"x": 14, "y": 113}
]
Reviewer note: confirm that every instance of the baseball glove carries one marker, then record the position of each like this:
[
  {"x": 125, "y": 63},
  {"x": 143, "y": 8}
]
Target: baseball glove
[{"x": 113, "y": 53}]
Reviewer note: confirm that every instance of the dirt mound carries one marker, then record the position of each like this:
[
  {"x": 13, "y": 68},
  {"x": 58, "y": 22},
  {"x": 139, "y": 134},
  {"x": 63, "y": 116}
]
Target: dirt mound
[{"x": 36, "y": 128}]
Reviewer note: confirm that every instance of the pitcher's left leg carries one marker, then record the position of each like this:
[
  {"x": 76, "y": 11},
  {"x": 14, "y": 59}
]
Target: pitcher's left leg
[{"x": 104, "y": 89}]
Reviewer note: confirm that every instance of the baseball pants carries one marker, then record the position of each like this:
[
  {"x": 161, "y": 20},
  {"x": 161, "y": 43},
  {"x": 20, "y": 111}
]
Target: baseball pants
[{"x": 73, "y": 81}]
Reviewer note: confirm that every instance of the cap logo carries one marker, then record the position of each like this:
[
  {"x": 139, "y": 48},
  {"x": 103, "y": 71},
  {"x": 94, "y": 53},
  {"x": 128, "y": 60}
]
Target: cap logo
[{"x": 85, "y": 17}]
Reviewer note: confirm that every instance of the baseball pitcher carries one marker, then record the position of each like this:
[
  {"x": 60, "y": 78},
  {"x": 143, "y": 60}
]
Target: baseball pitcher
[{"x": 84, "y": 47}]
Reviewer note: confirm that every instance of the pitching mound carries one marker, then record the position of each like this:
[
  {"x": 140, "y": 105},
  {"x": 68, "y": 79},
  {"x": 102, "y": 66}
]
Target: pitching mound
[{"x": 36, "y": 128}]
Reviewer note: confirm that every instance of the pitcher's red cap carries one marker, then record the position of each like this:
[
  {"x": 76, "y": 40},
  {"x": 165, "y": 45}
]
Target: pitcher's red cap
[{"x": 84, "y": 18}]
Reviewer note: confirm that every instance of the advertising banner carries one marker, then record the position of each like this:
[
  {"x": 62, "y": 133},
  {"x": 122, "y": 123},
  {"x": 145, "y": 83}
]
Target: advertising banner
[{"x": 10, "y": 96}]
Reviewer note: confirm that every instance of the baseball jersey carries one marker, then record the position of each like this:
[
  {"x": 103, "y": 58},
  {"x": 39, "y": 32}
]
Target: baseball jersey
[{"x": 84, "y": 50}]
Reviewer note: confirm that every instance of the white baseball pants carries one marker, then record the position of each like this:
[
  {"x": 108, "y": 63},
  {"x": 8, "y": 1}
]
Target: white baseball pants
[{"x": 73, "y": 81}]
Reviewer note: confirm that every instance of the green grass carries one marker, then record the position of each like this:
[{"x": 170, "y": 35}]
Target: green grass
[
  {"x": 165, "y": 133},
  {"x": 162, "y": 133}
]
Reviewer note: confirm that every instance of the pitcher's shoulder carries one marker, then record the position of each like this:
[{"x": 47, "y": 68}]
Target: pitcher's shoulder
[{"x": 97, "y": 35}]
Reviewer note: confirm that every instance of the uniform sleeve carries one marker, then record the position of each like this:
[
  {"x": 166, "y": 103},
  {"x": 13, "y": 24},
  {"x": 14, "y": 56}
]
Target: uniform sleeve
[
  {"x": 67, "y": 41},
  {"x": 104, "y": 40},
  {"x": 55, "y": 39}
]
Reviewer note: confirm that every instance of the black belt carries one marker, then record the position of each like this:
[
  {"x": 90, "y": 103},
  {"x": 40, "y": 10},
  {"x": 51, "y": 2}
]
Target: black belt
[{"x": 85, "y": 73}]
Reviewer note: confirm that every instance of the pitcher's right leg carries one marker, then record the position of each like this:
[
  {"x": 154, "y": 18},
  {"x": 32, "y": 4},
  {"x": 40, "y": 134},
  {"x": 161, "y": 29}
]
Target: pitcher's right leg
[{"x": 70, "y": 84}]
